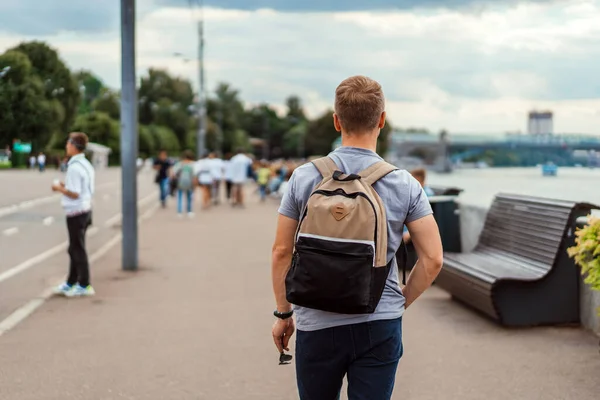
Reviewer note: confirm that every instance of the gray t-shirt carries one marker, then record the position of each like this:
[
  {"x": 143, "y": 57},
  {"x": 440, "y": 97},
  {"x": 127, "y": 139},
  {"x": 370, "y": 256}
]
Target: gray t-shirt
[{"x": 404, "y": 200}]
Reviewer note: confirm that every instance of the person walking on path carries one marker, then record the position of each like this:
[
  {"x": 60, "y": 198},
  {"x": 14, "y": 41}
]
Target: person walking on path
[
  {"x": 263, "y": 175},
  {"x": 240, "y": 165},
  {"x": 162, "y": 166},
  {"x": 331, "y": 256},
  {"x": 77, "y": 190},
  {"x": 41, "y": 159},
  {"x": 185, "y": 174}
]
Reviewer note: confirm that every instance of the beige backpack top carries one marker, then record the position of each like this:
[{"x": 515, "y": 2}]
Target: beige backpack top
[{"x": 340, "y": 258}]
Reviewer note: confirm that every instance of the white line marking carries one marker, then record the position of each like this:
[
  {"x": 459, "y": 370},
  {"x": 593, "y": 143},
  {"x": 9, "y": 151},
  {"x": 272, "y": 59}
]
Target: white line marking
[
  {"x": 48, "y": 221},
  {"x": 24, "y": 205},
  {"x": 117, "y": 218},
  {"x": 24, "y": 266},
  {"x": 10, "y": 231},
  {"x": 113, "y": 220},
  {"x": 20, "y": 314},
  {"x": 25, "y": 311}
]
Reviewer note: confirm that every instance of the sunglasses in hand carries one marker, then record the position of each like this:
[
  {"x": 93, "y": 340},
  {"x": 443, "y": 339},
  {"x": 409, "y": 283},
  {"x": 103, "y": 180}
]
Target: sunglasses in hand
[{"x": 284, "y": 359}]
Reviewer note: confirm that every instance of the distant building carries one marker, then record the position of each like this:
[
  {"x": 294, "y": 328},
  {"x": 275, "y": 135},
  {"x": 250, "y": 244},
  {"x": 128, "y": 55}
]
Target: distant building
[{"x": 540, "y": 123}]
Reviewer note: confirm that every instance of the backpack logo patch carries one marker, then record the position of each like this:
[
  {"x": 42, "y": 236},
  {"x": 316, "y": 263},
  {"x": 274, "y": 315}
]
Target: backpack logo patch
[{"x": 339, "y": 211}]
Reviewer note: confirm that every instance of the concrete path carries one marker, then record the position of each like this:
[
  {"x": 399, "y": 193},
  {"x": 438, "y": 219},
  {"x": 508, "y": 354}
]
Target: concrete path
[{"x": 194, "y": 323}]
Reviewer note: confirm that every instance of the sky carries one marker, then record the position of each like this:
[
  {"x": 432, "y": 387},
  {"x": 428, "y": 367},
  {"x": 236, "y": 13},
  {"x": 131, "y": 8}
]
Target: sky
[{"x": 468, "y": 66}]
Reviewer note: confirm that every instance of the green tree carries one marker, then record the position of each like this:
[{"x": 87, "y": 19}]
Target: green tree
[
  {"x": 294, "y": 140},
  {"x": 90, "y": 87},
  {"x": 167, "y": 101},
  {"x": 383, "y": 141},
  {"x": 59, "y": 84},
  {"x": 294, "y": 108},
  {"x": 226, "y": 110},
  {"x": 26, "y": 114},
  {"x": 164, "y": 138},
  {"x": 321, "y": 134},
  {"x": 108, "y": 102},
  {"x": 100, "y": 128}
]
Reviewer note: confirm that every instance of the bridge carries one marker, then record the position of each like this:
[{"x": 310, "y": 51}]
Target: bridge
[{"x": 510, "y": 149}]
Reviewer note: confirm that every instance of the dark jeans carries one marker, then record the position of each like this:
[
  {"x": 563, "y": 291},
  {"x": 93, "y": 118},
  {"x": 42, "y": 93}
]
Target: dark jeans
[
  {"x": 367, "y": 353},
  {"x": 79, "y": 270},
  {"x": 164, "y": 189},
  {"x": 228, "y": 185}
]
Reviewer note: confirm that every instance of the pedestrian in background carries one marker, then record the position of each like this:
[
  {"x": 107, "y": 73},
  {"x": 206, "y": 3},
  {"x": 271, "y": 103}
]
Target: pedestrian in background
[
  {"x": 41, "y": 159},
  {"x": 185, "y": 174},
  {"x": 162, "y": 166},
  {"x": 263, "y": 175},
  {"x": 77, "y": 191},
  {"x": 241, "y": 167}
]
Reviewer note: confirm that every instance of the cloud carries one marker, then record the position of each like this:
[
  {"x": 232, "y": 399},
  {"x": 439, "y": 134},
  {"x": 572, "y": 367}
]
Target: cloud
[
  {"x": 478, "y": 71},
  {"x": 341, "y": 5}
]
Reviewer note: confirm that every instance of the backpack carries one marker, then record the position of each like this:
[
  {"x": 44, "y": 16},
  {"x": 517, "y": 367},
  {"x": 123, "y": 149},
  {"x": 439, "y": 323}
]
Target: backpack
[
  {"x": 185, "y": 177},
  {"x": 339, "y": 262}
]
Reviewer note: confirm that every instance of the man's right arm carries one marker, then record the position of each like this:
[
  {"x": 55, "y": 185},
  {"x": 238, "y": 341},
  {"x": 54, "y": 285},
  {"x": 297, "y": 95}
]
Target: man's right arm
[{"x": 425, "y": 237}]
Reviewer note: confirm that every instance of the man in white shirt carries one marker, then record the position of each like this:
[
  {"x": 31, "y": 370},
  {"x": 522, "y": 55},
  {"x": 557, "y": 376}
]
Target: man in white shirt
[
  {"x": 41, "y": 162},
  {"x": 239, "y": 165},
  {"x": 77, "y": 191}
]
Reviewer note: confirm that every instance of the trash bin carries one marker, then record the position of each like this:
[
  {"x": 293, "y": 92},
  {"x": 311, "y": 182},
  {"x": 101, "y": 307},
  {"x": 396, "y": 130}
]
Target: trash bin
[{"x": 446, "y": 214}]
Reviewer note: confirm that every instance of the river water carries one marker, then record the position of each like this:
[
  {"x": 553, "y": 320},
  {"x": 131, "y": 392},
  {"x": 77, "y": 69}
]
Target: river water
[{"x": 481, "y": 185}]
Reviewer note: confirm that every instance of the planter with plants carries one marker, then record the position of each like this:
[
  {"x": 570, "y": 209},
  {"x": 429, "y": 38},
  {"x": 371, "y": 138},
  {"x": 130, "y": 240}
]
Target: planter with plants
[{"x": 586, "y": 252}]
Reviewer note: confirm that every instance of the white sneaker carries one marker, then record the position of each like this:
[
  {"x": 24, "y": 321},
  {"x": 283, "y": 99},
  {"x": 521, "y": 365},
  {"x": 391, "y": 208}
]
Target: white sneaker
[
  {"x": 179, "y": 215},
  {"x": 80, "y": 291},
  {"x": 191, "y": 215},
  {"x": 63, "y": 289}
]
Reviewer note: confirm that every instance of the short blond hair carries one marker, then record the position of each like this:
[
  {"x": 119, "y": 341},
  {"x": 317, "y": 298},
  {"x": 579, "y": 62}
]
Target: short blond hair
[{"x": 359, "y": 103}]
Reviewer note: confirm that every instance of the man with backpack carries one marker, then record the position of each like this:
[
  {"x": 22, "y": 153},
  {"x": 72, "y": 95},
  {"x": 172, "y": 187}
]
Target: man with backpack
[
  {"x": 340, "y": 225},
  {"x": 185, "y": 176}
]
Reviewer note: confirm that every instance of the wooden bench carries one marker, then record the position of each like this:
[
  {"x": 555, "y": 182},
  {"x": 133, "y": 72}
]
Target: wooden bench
[{"x": 519, "y": 273}]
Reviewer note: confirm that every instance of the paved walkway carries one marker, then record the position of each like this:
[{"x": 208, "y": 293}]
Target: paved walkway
[{"x": 194, "y": 323}]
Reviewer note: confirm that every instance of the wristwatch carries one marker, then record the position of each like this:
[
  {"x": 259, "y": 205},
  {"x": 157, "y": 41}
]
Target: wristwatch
[{"x": 285, "y": 315}]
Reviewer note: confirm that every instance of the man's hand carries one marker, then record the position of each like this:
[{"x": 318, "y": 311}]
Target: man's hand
[
  {"x": 283, "y": 329},
  {"x": 58, "y": 187}
]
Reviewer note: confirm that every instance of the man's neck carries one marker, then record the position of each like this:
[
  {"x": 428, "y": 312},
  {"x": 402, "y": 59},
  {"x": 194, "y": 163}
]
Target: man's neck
[{"x": 366, "y": 141}]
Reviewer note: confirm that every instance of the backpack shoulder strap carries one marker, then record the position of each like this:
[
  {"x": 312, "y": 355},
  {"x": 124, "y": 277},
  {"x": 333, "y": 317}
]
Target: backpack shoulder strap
[
  {"x": 326, "y": 166},
  {"x": 377, "y": 171}
]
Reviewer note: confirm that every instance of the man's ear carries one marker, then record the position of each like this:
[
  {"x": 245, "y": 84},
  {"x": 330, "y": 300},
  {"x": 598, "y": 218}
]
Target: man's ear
[
  {"x": 382, "y": 120},
  {"x": 336, "y": 123}
]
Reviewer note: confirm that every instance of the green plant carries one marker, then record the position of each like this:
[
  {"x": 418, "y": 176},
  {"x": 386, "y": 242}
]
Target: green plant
[{"x": 586, "y": 252}]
